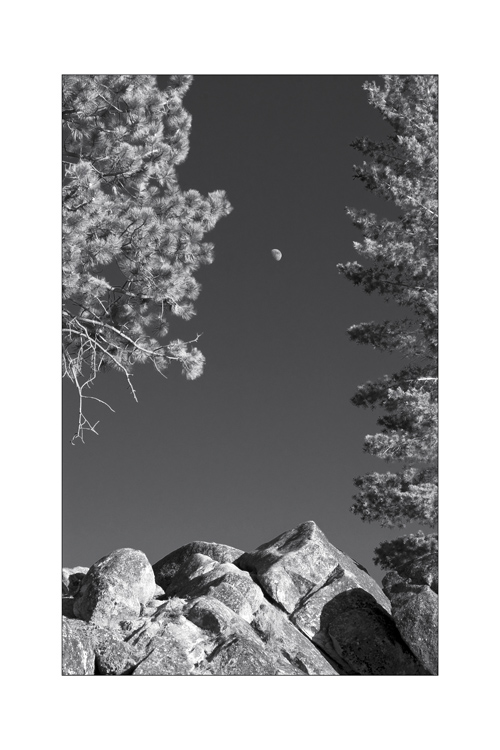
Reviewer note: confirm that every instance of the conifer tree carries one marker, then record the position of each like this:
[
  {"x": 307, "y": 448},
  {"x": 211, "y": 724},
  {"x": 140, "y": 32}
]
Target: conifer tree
[
  {"x": 401, "y": 266},
  {"x": 132, "y": 239}
]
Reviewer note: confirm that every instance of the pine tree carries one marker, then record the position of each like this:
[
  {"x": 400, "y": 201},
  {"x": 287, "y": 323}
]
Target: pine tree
[
  {"x": 402, "y": 267},
  {"x": 132, "y": 239}
]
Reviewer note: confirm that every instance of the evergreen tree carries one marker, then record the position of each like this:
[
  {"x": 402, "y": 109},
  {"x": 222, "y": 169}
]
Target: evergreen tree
[
  {"x": 402, "y": 267},
  {"x": 132, "y": 239}
]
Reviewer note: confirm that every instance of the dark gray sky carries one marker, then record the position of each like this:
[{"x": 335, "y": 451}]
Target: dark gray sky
[{"x": 267, "y": 438}]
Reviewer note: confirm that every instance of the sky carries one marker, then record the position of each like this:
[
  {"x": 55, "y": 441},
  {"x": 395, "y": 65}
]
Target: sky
[{"x": 267, "y": 437}]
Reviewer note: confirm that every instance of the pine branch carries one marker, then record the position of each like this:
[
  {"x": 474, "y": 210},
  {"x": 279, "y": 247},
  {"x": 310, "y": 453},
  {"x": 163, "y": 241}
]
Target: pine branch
[{"x": 128, "y": 151}]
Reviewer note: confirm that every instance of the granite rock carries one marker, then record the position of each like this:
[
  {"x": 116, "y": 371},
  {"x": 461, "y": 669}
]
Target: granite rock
[
  {"x": 333, "y": 601},
  {"x": 296, "y": 606},
  {"x": 291, "y": 567},
  {"x": 72, "y": 579},
  {"x": 423, "y": 570},
  {"x": 176, "y": 648},
  {"x": 115, "y": 587},
  {"x": 78, "y": 657},
  {"x": 167, "y": 568},
  {"x": 224, "y": 581},
  {"x": 113, "y": 655},
  {"x": 362, "y": 638},
  {"x": 415, "y": 613},
  {"x": 67, "y": 606}
]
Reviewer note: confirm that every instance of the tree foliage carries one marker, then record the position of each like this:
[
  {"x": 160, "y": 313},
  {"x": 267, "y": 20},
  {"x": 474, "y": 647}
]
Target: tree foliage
[
  {"x": 401, "y": 265},
  {"x": 398, "y": 553},
  {"x": 131, "y": 238}
]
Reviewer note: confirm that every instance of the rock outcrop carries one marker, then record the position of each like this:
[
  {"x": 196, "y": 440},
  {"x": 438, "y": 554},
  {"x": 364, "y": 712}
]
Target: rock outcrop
[{"x": 294, "y": 606}]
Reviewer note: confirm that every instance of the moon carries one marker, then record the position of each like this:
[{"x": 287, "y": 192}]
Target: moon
[{"x": 276, "y": 254}]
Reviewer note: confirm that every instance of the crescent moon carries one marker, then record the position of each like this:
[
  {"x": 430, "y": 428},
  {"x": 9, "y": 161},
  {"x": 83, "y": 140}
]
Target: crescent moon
[{"x": 276, "y": 254}]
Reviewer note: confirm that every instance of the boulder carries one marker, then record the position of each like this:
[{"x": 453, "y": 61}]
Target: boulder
[
  {"x": 333, "y": 601},
  {"x": 294, "y": 652},
  {"x": 287, "y": 651},
  {"x": 116, "y": 587},
  {"x": 113, "y": 655},
  {"x": 71, "y": 579},
  {"x": 166, "y": 658},
  {"x": 295, "y": 565},
  {"x": 201, "y": 575},
  {"x": 167, "y": 568},
  {"x": 234, "y": 647},
  {"x": 240, "y": 656},
  {"x": 78, "y": 657},
  {"x": 208, "y": 607},
  {"x": 67, "y": 606},
  {"x": 422, "y": 570},
  {"x": 361, "y": 637},
  {"x": 296, "y": 606},
  {"x": 172, "y": 645},
  {"x": 201, "y": 580},
  {"x": 415, "y": 612},
  {"x": 218, "y": 641}
]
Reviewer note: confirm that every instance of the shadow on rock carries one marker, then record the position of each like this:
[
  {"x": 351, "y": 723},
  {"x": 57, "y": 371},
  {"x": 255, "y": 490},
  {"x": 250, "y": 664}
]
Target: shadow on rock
[{"x": 362, "y": 637}]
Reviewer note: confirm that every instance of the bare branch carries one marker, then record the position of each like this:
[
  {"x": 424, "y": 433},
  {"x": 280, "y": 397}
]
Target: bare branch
[
  {"x": 94, "y": 398},
  {"x": 83, "y": 422}
]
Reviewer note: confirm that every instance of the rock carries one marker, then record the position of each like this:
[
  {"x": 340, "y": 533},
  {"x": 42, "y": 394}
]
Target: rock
[
  {"x": 115, "y": 587},
  {"x": 224, "y": 602},
  {"x": 299, "y": 562},
  {"x": 71, "y": 579},
  {"x": 361, "y": 567},
  {"x": 362, "y": 638},
  {"x": 423, "y": 570},
  {"x": 415, "y": 612},
  {"x": 286, "y": 650},
  {"x": 291, "y": 647},
  {"x": 213, "y": 616},
  {"x": 201, "y": 575},
  {"x": 78, "y": 656},
  {"x": 167, "y": 568},
  {"x": 333, "y": 601},
  {"x": 224, "y": 643},
  {"x": 211, "y": 605},
  {"x": 166, "y": 658},
  {"x": 114, "y": 656},
  {"x": 67, "y": 607},
  {"x": 240, "y": 656},
  {"x": 176, "y": 648},
  {"x": 296, "y": 606},
  {"x": 234, "y": 648}
]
